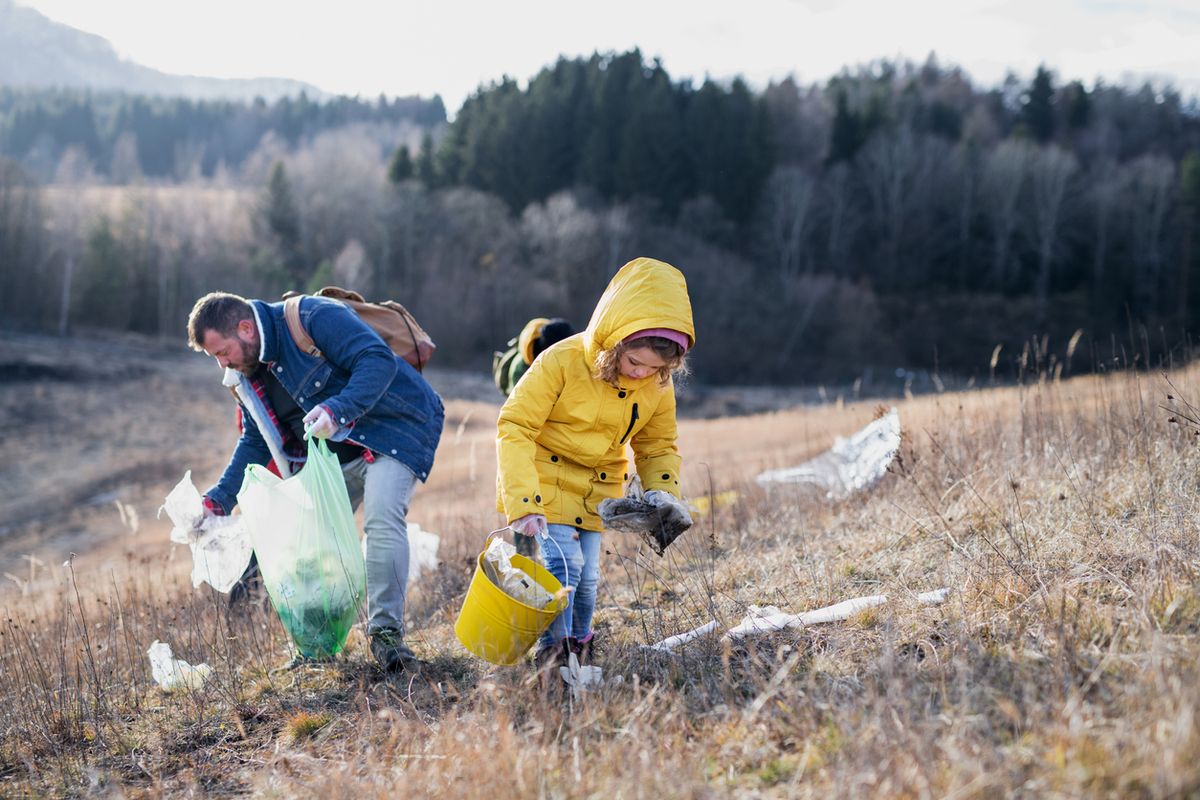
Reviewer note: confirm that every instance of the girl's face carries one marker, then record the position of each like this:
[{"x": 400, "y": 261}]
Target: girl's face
[{"x": 640, "y": 362}]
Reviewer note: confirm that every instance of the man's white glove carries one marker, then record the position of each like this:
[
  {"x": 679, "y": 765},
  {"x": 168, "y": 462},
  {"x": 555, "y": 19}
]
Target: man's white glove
[
  {"x": 318, "y": 424},
  {"x": 530, "y": 525}
]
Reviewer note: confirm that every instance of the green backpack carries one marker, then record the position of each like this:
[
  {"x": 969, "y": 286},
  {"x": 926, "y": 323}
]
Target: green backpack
[{"x": 508, "y": 367}]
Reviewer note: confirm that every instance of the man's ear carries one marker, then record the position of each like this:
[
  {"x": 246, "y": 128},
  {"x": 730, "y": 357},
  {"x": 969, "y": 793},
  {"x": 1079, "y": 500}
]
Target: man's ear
[{"x": 247, "y": 330}]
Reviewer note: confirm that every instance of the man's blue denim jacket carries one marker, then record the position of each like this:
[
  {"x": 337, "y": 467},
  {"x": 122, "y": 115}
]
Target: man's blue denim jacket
[{"x": 378, "y": 400}]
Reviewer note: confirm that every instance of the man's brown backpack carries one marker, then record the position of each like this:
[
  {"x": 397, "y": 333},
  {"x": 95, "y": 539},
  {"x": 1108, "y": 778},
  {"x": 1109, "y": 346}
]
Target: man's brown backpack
[{"x": 392, "y": 321}]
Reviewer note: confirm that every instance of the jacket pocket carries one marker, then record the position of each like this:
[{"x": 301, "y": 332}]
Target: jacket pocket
[
  {"x": 315, "y": 386},
  {"x": 605, "y": 483}
]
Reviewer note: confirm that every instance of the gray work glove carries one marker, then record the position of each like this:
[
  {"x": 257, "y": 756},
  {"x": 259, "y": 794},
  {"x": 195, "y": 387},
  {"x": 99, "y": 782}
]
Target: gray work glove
[{"x": 657, "y": 516}]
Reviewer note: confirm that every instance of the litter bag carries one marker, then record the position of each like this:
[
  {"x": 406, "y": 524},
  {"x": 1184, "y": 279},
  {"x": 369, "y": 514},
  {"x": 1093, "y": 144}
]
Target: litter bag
[
  {"x": 303, "y": 531},
  {"x": 653, "y": 515},
  {"x": 513, "y": 581},
  {"x": 220, "y": 546}
]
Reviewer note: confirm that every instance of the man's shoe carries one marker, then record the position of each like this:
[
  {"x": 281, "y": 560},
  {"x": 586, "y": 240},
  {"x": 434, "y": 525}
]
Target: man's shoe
[{"x": 392, "y": 653}]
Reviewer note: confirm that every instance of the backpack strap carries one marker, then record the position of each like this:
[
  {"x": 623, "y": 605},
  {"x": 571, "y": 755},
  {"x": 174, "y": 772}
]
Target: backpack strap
[{"x": 291, "y": 314}]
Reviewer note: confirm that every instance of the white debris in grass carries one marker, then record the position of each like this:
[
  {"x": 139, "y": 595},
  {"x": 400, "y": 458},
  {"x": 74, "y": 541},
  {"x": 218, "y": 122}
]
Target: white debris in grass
[
  {"x": 850, "y": 466},
  {"x": 766, "y": 619}
]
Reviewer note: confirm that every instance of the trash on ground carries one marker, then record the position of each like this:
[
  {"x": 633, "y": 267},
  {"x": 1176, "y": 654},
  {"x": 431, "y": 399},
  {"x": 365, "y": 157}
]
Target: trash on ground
[
  {"x": 850, "y": 466},
  {"x": 220, "y": 545},
  {"x": 770, "y": 618},
  {"x": 671, "y": 642},
  {"x": 657, "y": 517},
  {"x": 513, "y": 581},
  {"x": 702, "y": 505},
  {"x": 581, "y": 678},
  {"x": 767, "y": 619},
  {"x": 171, "y": 673},
  {"x": 422, "y": 551}
]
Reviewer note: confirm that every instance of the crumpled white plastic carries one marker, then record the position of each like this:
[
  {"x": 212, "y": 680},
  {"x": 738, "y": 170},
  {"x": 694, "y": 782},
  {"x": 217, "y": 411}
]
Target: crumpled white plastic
[
  {"x": 172, "y": 674},
  {"x": 514, "y": 582},
  {"x": 422, "y": 551},
  {"x": 583, "y": 678},
  {"x": 850, "y": 466},
  {"x": 765, "y": 619},
  {"x": 220, "y": 546},
  {"x": 770, "y": 618}
]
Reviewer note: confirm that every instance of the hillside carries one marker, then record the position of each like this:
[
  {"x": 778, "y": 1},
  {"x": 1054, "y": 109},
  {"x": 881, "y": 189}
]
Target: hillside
[
  {"x": 39, "y": 52},
  {"x": 1061, "y": 515}
]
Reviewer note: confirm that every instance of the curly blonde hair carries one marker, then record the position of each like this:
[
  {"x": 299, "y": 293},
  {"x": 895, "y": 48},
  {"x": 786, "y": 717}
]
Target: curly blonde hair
[{"x": 608, "y": 362}]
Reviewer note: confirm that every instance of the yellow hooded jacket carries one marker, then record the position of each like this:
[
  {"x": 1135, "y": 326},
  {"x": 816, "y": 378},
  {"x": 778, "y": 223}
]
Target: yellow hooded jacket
[{"x": 562, "y": 433}]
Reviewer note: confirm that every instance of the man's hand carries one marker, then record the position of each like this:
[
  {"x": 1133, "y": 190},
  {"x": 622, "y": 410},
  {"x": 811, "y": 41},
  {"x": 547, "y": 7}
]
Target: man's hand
[
  {"x": 318, "y": 424},
  {"x": 530, "y": 525}
]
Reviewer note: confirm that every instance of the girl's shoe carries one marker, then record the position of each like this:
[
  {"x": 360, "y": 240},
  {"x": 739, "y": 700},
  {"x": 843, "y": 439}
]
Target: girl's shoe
[
  {"x": 583, "y": 649},
  {"x": 547, "y": 660}
]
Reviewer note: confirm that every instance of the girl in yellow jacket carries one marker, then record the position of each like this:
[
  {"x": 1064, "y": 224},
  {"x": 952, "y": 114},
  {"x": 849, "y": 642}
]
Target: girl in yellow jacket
[{"x": 563, "y": 432}]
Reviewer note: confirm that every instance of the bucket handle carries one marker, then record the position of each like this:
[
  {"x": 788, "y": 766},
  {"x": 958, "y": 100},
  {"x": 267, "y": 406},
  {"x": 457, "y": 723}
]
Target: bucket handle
[{"x": 542, "y": 537}]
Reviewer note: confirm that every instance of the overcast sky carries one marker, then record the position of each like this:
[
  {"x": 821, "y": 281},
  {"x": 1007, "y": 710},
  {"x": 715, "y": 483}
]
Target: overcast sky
[{"x": 449, "y": 47}]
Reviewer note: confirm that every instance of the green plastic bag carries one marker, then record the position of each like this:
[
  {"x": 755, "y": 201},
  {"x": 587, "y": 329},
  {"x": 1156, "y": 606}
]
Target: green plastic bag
[{"x": 308, "y": 551}]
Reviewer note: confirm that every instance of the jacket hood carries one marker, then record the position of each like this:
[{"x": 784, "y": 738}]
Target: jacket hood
[
  {"x": 529, "y": 334},
  {"x": 645, "y": 293}
]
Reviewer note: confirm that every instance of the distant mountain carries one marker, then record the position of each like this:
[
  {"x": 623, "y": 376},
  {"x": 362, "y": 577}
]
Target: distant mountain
[{"x": 39, "y": 52}]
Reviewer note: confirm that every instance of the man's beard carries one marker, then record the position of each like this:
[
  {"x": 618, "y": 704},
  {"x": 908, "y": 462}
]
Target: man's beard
[{"x": 250, "y": 362}]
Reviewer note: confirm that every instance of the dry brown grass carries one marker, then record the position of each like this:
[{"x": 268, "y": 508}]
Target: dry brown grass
[{"x": 1062, "y": 513}]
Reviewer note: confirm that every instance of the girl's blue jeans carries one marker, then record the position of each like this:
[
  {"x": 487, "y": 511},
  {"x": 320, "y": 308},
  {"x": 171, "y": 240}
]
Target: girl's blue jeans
[{"x": 573, "y": 556}]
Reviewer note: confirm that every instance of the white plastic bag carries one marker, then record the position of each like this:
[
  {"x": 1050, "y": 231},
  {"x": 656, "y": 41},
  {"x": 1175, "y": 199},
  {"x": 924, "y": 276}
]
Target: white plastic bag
[
  {"x": 422, "y": 551},
  {"x": 220, "y": 546},
  {"x": 171, "y": 673},
  {"x": 850, "y": 466},
  {"x": 514, "y": 582}
]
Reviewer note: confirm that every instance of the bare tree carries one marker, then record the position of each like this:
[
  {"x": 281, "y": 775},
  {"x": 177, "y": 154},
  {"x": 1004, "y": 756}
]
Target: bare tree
[
  {"x": 1003, "y": 176},
  {"x": 1050, "y": 169},
  {"x": 785, "y": 219},
  {"x": 896, "y": 170},
  {"x": 1151, "y": 180},
  {"x": 126, "y": 167},
  {"x": 1106, "y": 186},
  {"x": 840, "y": 216}
]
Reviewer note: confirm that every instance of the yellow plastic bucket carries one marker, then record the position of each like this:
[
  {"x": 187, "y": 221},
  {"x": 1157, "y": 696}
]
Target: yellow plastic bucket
[{"x": 499, "y": 628}]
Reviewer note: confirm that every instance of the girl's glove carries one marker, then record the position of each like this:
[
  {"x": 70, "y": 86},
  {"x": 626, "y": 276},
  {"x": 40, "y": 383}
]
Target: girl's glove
[{"x": 530, "y": 525}]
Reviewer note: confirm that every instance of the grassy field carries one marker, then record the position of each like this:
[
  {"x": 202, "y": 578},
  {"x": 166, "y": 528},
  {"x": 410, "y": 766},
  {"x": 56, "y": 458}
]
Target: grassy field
[{"x": 1061, "y": 514}]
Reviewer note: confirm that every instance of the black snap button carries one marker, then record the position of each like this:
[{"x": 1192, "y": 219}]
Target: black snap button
[
  {"x": 579, "y": 520},
  {"x": 603, "y": 476},
  {"x": 554, "y": 458},
  {"x": 666, "y": 476},
  {"x": 538, "y": 498},
  {"x": 626, "y": 477},
  {"x": 620, "y": 394},
  {"x": 524, "y": 499}
]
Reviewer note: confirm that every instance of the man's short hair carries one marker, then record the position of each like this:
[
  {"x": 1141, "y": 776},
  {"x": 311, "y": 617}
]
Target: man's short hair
[{"x": 216, "y": 311}]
